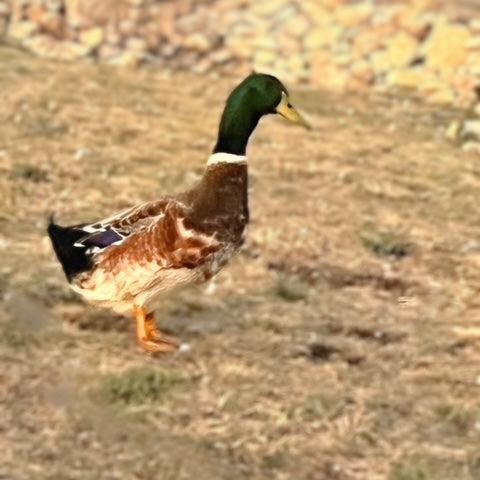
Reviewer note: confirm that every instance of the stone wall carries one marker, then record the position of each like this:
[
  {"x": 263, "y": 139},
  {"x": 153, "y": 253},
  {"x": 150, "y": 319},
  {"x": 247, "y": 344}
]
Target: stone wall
[{"x": 336, "y": 44}]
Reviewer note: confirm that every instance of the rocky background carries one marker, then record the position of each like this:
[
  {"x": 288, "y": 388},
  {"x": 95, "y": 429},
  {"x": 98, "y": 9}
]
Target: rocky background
[{"x": 422, "y": 45}]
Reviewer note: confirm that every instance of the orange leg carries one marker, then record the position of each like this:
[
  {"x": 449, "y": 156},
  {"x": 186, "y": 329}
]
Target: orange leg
[{"x": 149, "y": 337}]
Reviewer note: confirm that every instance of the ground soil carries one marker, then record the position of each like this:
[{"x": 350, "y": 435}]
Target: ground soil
[{"x": 341, "y": 344}]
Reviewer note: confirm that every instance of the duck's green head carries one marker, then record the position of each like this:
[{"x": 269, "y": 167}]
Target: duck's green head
[{"x": 259, "y": 94}]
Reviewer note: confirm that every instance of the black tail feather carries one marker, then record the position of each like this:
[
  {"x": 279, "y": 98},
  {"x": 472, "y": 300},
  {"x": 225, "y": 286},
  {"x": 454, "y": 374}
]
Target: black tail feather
[{"x": 74, "y": 260}]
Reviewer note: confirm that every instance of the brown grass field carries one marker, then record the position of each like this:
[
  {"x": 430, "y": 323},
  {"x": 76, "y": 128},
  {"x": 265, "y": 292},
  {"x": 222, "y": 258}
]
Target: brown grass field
[{"x": 343, "y": 343}]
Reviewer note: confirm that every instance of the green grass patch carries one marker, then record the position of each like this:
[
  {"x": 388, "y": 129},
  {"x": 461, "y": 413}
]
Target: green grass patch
[
  {"x": 141, "y": 385},
  {"x": 290, "y": 289},
  {"x": 458, "y": 416},
  {"x": 386, "y": 244},
  {"x": 410, "y": 472},
  {"x": 323, "y": 407},
  {"x": 33, "y": 173}
]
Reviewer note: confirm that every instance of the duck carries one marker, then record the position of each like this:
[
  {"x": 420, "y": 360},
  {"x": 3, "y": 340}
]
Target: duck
[{"x": 131, "y": 260}]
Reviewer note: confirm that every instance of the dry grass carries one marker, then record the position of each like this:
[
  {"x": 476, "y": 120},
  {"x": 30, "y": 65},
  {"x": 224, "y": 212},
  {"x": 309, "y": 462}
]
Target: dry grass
[{"x": 320, "y": 355}]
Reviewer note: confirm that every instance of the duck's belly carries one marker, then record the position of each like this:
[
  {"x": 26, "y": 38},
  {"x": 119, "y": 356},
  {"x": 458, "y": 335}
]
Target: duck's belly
[{"x": 146, "y": 285}]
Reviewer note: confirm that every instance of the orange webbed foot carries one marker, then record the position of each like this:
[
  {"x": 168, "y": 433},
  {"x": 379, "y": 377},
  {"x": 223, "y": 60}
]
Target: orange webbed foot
[{"x": 149, "y": 337}]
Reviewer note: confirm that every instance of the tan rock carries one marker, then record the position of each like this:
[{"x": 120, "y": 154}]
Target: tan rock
[
  {"x": 46, "y": 46},
  {"x": 202, "y": 66},
  {"x": 107, "y": 52},
  {"x": 280, "y": 69},
  {"x": 137, "y": 45},
  {"x": 288, "y": 45},
  {"x": 69, "y": 51},
  {"x": 41, "y": 45},
  {"x": 474, "y": 25},
  {"x": 380, "y": 62},
  {"x": 409, "y": 78},
  {"x": 53, "y": 24},
  {"x": 474, "y": 43},
  {"x": 239, "y": 47},
  {"x": 92, "y": 38},
  {"x": 453, "y": 131},
  {"x": 231, "y": 17},
  {"x": 265, "y": 42},
  {"x": 197, "y": 41},
  {"x": 325, "y": 73},
  {"x": 297, "y": 63},
  {"x": 317, "y": 13},
  {"x": 243, "y": 29},
  {"x": 183, "y": 7},
  {"x": 126, "y": 59},
  {"x": 296, "y": 26},
  {"x": 127, "y": 27},
  {"x": 112, "y": 35},
  {"x": 267, "y": 8},
  {"x": 356, "y": 85},
  {"x": 473, "y": 63},
  {"x": 471, "y": 130},
  {"x": 471, "y": 147},
  {"x": 152, "y": 35},
  {"x": 443, "y": 96},
  {"x": 36, "y": 12},
  {"x": 353, "y": 15},
  {"x": 415, "y": 24},
  {"x": 363, "y": 72},
  {"x": 447, "y": 46},
  {"x": 430, "y": 86},
  {"x": 167, "y": 50},
  {"x": 342, "y": 59},
  {"x": 464, "y": 99},
  {"x": 420, "y": 6},
  {"x": 167, "y": 19},
  {"x": 401, "y": 50},
  {"x": 284, "y": 14},
  {"x": 18, "y": 12},
  {"x": 187, "y": 59},
  {"x": 22, "y": 30},
  {"x": 221, "y": 56},
  {"x": 77, "y": 13},
  {"x": 322, "y": 37},
  {"x": 188, "y": 24},
  {"x": 4, "y": 9},
  {"x": 135, "y": 15},
  {"x": 464, "y": 84},
  {"x": 333, "y": 4},
  {"x": 370, "y": 40},
  {"x": 264, "y": 59}
]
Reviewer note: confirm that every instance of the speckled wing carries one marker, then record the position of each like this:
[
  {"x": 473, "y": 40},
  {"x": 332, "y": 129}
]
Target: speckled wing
[
  {"x": 165, "y": 241},
  {"x": 151, "y": 260},
  {"x": 115, "y": 229}
]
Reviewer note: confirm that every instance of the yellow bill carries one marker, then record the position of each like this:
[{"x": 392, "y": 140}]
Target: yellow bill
[{"x": 288, "y": 111}]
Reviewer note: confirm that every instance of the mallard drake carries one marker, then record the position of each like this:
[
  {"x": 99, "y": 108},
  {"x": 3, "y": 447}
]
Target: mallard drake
[{"x": 131, "y": 260}]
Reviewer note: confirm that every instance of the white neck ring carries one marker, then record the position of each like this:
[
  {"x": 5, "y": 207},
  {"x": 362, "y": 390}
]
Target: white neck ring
[{"x": 221, "y": 157}]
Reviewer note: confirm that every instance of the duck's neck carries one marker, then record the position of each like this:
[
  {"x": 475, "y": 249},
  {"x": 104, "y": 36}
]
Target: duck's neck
[
  {"x": 239, "y": 120},
  {"x": 223, "y": 191},
  {"x": 225, "y": 183},
  {"x": 222, "y": 194}
]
